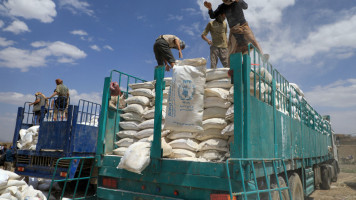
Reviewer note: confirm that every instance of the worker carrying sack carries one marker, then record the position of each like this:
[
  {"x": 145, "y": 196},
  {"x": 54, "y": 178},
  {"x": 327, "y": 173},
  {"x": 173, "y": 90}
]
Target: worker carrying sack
[{"x": 186, "y": 96}]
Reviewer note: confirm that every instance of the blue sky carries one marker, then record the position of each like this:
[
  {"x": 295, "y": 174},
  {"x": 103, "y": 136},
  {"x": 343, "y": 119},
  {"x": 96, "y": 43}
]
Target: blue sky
[{"x": 311, "y": 42}]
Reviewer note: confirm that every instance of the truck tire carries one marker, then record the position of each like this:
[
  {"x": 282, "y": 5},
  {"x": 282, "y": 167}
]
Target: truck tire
[
  {"x": 336, "y": 171},
  {"x": 275, "y": 194},
  {"x": 296, "y": 187},
  {"x": 325, "y": 179}
]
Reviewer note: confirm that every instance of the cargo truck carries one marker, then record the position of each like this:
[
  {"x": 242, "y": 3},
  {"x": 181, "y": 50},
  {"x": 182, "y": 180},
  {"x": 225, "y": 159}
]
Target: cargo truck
[
  {"x": 282, "y": 148},
  {"x": 71, "y": 134}
]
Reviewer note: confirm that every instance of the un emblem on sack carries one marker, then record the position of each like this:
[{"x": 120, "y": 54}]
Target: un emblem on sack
[{"x": 186, "y": 90}]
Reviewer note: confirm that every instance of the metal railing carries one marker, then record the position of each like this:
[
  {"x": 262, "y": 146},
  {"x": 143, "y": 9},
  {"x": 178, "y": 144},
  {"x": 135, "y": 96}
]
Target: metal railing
[
  {"x": 72, "y": 175},
  {"x": 246, "y": 168}
]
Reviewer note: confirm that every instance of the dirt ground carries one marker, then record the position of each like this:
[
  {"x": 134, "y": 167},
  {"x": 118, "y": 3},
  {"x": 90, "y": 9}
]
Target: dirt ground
[{"x": 343, "y": 189}]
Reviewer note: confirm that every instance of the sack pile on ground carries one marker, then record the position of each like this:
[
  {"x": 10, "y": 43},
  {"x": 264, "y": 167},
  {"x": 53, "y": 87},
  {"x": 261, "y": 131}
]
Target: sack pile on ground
[
  {"x": 12, "y": 188},
  {"x": 28, "y": 138}
]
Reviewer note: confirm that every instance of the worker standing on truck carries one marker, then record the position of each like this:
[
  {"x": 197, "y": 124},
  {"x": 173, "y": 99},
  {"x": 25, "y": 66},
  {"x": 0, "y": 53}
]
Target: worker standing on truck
[
  {"x": 38, "y": 103},
  {"x": 240, "y": 32},
  {"x": 162, "y": 49},
  {"x": 61, "y": 103},
  {"x": 218, "y": 45}
]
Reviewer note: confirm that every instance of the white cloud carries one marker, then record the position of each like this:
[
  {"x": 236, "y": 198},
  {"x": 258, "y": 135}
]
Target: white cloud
[
  {"x": 340, "y": 94},
  {"x": 108, "y": 47},
  {"x": 93, "y": 96},
  {"x": 7, "y": 124},
  {"x": 43, "y": 10},
  {"x": 343, "y": 121},
  {"x": 15, "y": 98},
  {"x": 191, "y": 30},
  {"x": 76, "y": 6},
  {"x": 5, "y": 43},
  {"x": 17, "y": 27},
  {"x": 18, "y": 99},
  {"x": 24, "y": 59},
  {"x": 79, "y": 32},
  {"x": 258, "y": 12},
  {"x": 338, "y": 100},
  {"x": 1, "y": 23},
  {"x": 174, "y": 17},
  {"x": 95, "y": 47}
]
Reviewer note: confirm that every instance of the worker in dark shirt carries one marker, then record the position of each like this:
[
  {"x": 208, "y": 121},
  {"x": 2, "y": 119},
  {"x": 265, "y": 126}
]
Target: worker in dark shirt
[{"x": 239, "y": 28}]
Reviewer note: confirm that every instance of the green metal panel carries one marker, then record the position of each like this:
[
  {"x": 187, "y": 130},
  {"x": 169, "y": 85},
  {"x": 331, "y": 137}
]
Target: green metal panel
[
  {"x": 284, "y": 136},
  {"x": 156, "y": 150},
  {"x": 261, "y": 130},
  {"x": 112, "y": 127},
  {"x": 236, "y": 65}
]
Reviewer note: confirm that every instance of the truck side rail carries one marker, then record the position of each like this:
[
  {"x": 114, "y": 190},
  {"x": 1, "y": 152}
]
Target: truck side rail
[{"x": 106, "y": 140}]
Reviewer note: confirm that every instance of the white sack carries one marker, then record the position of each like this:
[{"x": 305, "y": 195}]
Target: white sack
[
  {"x": 119, "y": 151},
  {"x": 220, "y": 83},
  {"x": 144, "y": 133},
  {"x": 186, "y": 97},
  {"x": 216, "y": 92},
  {"x": 33, "y": 129},
  {"x": 228, "y": 130},
  {"x": 168, "y": 81},
  {"x": 10, "y": 183},
  {"x": 132, "y": 117},
  {"x": 3, "y": 179},
  {"x": 136, "y": 108},
  {"x": 126, "y": 134},
  {"x": 214, "y": 123},
  {"x": 230, "y": 113},
  {"x": 142, "y": 100},
  {"x": 182, "y": 153},
  {"x": 211, "y": 133},
  {"x": 146, "y": 124},
  {"x": 126, "y": 142},
  {"x": 179, "y": 135},
  {"x": 219, "y": 73},
  {"x": 129, "y": 125},
  {"x": 150, "y": 114},
  {"x": 213, "y": 144},
  {"x": 216, "y": 102},
  {"x": 12, "y": 175},
  {"x": 142, "y": 92},
  {"x": 136, "y": 157},
  {"x": 214, "y": 112},
  {"x": 147, "y": 85},
  {"x": 167, "y": 149},
  {"x": 188, "y": 144}
]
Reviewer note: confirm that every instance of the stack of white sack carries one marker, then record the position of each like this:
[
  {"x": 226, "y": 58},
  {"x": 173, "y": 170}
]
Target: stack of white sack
[
  {"x": 28, "y": 138},
  {"x": 260, "y": 83},
  {"x": 185, "y": 108},
  {"x": 11, "y": 187},
  {"x": 213, "y": 146},
  {"x": 137, "y": 127}
]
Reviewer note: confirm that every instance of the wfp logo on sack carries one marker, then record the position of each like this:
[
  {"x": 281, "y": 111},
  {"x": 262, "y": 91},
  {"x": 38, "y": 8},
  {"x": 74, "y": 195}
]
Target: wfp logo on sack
[{"x": 186, "y": 90}]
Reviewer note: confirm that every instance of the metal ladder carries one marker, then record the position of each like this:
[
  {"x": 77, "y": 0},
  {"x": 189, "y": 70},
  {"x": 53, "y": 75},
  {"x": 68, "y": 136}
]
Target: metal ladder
[{"x": 246, "y": 168}]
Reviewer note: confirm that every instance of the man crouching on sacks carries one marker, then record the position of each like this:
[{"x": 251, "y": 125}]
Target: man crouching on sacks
[
  {"x": 162, "y": 50},
  {"x": 240, "y": 32}
]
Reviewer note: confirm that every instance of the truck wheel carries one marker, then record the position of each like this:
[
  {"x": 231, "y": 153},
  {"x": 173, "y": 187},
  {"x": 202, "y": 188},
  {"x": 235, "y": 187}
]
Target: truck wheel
[
  {"x": 335, "y": 168},
  {"x": 296, "y": 187},
  {"x": 325, "y": 179},
  {"x": 275, "y": 194}
]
